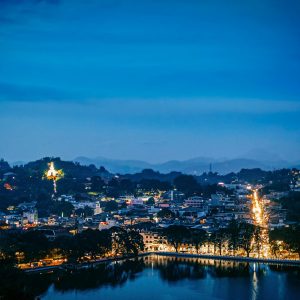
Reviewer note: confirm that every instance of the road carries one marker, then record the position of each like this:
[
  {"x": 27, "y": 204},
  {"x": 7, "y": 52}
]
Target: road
[{"x": 261, "y": 219}]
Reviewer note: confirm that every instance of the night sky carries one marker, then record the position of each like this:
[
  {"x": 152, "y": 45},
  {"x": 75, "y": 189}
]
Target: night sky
[{"x": 153, "y": 80}]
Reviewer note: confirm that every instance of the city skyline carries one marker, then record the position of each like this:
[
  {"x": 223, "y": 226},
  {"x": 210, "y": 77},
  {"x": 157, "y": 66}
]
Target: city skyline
[{"x": 149, "y": 143}]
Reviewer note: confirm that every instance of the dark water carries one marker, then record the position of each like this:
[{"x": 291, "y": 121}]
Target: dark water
[{"x": 167, "y": 278}]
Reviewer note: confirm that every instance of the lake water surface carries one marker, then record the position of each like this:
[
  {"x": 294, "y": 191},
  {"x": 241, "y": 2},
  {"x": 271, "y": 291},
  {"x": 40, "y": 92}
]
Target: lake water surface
[{"x": 157, "y": 277}]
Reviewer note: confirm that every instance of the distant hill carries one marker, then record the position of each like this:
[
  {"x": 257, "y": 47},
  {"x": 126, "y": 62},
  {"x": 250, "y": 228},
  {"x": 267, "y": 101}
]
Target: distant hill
[
  {"x": 195, "y": 166},
  {"x": 4, "y": 166},
  {"x": 115, "y": 165},
  {"x": 18, "y": 163},
  {"x": 149, "y": 174},
  {"x": 70, "y": 168}
]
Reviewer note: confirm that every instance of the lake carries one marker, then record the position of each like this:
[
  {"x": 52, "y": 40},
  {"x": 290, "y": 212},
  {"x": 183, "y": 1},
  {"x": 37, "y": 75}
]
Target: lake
[{"x": 157, "y": 277}]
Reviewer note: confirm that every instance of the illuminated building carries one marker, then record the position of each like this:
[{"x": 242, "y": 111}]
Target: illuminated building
[{"x": 97, "y": 209}]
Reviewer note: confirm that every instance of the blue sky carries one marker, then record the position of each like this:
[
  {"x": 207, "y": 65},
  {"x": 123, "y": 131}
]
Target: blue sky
[{"x": 152, "y": 80}]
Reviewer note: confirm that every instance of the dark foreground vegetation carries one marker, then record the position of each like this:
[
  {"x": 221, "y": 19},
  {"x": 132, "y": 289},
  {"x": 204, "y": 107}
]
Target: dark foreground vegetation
[{"x": 32, "y": 245}]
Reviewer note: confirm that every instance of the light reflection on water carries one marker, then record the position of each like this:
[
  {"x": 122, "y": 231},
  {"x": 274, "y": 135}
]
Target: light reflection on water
[
  {"x": 167, "y": 278},
  {"x": 254, "y": 283}
]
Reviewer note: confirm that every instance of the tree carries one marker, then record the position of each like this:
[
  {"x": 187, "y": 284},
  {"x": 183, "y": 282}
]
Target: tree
[
  {"x": 275, "y": 248},
  {"x": 66, "y": 247},
  {"x": 44, "y": 203},
  {"x": 126, "y": 186},
  {"x": 126, "y": 242},
  {"x": 154, "y": 185},
  {"x": 111, "y": 205},
  {"x": 62, "y": 207},
  {"x": 86, "y": 211},
  {"x": 7, "y": 250},
  {"x": 213, "y": 240},
  {"x": 32, "y": 244},
  {"x": 165, "y": 213},
  {"x": 177, "y": 234},
  {"x": 247, "y": 231},
  {"x": 279, "y": 240},
  {"x": 198, "y": 238},
  {"x": 94, "y": 242},
  {"x": 294, "y": 240},
  {"x": 220, "y": 237},
  {"x": 258, "y": 240},
  {"x": 104, "y": 242},
  {"x": 136, "y": 243},
  {"x": 289, "y": 238},
  {"x": 150, "y": 201},
  {"x": 186, "y": 184},
  {"x": 292, "y": 204},
  {"x": 233, "y": 235},
  {"x": 97, "y": 184}
]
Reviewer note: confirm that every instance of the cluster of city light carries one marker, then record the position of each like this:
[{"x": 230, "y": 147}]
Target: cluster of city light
[
  {"x": 261, "y": 220},
  {"x": 53, "y": 175},
  {"x": 257, "y": 210}
]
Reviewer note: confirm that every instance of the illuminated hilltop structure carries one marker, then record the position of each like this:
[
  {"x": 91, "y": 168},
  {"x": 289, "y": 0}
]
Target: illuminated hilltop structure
[{"x": 53, "y": 174}]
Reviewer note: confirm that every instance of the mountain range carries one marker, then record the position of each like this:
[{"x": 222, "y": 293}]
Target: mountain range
[{"x": 196, "y": 166}]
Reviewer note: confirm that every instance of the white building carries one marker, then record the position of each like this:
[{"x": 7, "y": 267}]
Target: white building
[
  {"x": 31, "y": 216},
  {"x": 195, "y": 201},
  {"x": 107, "y": 224},
  {"x": 97, "y": 209},
  {"x": 153, "y": 241}
]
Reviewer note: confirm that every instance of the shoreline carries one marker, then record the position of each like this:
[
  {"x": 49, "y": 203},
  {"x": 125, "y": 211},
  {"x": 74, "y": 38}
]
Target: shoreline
[
  {"x": 230, "y": 258},
  {"x": 83, "y": 265},
  {"x": 170, "y": 254}
]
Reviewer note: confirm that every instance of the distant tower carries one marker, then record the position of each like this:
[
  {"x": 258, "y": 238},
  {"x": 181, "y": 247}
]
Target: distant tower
[
  {"x": 97, "y": 209},
  {"x": 210, "y": 168}
]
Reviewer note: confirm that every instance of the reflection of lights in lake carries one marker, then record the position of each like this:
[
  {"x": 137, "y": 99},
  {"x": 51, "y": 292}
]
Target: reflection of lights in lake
[{"x": 254, "y": 284}]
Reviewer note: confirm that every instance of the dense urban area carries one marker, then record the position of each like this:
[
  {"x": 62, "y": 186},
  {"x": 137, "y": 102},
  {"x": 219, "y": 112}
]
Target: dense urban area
[{"x": 60, "y": 214}]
